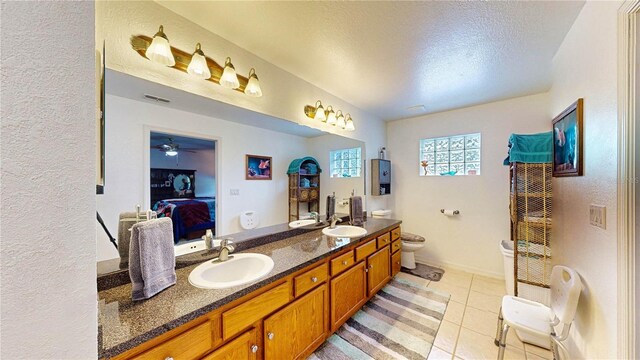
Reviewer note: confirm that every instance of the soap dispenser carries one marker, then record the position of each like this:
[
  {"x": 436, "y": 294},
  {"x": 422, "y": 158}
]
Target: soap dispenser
[{"x": 331, "y": 205}]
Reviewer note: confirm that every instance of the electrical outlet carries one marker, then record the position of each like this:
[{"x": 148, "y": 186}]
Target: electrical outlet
[
  {"x": 598, "y": 216},
  {"x": 234, "y": 192}
]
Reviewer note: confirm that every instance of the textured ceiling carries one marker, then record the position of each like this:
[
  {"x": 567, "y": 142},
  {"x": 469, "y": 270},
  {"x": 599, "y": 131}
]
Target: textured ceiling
[{"x": 386, "y": 56}]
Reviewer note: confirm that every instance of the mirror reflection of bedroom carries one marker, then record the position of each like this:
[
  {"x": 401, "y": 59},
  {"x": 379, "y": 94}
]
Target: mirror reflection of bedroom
[{"x": 183, "y": 183}]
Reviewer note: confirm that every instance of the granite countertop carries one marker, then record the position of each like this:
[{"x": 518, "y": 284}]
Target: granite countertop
[{"x": 124, "y": 324}]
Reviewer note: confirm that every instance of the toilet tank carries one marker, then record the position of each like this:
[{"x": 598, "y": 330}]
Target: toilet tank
[{"x": 381, "y": 214}]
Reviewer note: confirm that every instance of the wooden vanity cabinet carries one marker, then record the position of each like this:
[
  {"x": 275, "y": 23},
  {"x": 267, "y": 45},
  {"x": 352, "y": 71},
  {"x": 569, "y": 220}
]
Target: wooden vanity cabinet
[
  {"x": 348, "y": 294},
  {"x": 244, "y": 347},
  {"x": 298, "y": 329},
  {"x": 378, "y": 270},
  {"x": 396, "y": 263}
]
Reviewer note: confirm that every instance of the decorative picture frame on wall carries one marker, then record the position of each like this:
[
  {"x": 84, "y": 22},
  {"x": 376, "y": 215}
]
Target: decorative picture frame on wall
[
  {"x": 258, "y": 167},
  {"x": 568, "y": 146}
]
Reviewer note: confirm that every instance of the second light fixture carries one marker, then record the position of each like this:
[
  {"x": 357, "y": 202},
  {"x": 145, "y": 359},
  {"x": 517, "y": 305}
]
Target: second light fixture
[{"x": 331, "y": 117}]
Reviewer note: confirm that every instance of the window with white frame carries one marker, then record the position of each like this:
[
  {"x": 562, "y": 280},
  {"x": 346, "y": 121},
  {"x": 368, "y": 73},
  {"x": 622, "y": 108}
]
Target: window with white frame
[
  {"x": 345, "y": 163},
  {"x": 450, "y": 155}
]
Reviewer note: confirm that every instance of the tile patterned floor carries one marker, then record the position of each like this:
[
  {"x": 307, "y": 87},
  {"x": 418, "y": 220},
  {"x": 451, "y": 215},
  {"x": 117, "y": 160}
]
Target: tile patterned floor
[{"x": 469, "y": 325}]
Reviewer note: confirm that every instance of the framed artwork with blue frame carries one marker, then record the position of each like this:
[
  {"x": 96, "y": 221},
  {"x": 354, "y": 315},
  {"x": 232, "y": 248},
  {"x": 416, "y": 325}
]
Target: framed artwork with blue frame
[
  {"x": 258, "y": 167},
  {"x": 568, "y": 146}
]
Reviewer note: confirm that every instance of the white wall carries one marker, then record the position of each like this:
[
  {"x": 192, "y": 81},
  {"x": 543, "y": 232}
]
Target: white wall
[
  {"x": 585, "y": 66},
  {"x": 285, "y": 94},
  {"x": 203, "y": 161},
  {"x": 319, "y": 147},
  {"x": 125, "y": 148},
  {"x": 468, "y": 241},
  {"x": 47, "y": 191}
]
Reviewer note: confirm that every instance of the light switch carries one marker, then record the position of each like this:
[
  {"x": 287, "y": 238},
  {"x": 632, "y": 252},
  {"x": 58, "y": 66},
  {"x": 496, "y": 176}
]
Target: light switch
[
  {"x": 234, "y": 192},
  {"x": 598, "y": 216}
]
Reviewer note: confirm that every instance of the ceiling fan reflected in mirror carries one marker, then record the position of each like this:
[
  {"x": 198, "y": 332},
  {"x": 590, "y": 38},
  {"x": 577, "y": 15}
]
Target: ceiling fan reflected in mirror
[{"x": 171, "y": 148}]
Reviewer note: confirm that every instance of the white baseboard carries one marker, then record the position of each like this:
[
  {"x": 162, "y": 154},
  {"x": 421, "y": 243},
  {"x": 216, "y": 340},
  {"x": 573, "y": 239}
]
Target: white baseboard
[{"x": 469, "y": 269}]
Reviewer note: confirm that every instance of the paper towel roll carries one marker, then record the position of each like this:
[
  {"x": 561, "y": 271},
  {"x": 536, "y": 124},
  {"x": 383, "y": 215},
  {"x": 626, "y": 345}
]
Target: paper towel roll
[{"x": 448, "y": 212}]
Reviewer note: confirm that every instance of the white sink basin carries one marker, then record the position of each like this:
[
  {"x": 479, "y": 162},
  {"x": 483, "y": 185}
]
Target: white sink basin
[
  {"x": 345, "y": 231},
  {"x": 301, "y": 223},
  {"x": 239, "y": 270}
]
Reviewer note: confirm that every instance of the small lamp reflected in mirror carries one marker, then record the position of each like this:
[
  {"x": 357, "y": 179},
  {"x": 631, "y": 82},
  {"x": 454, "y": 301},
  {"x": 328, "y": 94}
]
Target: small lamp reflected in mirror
[
  {"x": 320, "y": 115},
  {"x": 229, "y": 78},
  {"x": 349, "y": 124},
  {"x": 334, "y": 119},
  {"x": 331, "y": 117},
  {"x": 253, "y": 86},
  {"x": 341, "y": 122},
  {"x": 160, "y": 51},
  {"x": 198, "y": 66}
]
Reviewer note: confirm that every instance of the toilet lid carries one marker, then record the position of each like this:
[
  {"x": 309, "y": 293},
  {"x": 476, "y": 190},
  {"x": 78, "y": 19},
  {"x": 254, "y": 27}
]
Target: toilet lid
[{"x": 408, "y": 237}]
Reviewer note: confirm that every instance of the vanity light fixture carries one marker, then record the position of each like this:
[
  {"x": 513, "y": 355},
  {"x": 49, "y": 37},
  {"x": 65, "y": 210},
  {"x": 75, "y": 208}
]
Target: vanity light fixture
[
  {"x": 253, "y": 86},
  {"x": 334, "y": 119},
  {"x": 349, "y": 124},
  {"x": 198, "y": 66},
  {"x": 320, "y": 114},
  {"x": 331, "y": 115},
  {"x": 341, "y": 123},
  {"x": 157, "y": 49},
  {"x": 160, "y": 51},
  {"x": 229, "y": 77}
]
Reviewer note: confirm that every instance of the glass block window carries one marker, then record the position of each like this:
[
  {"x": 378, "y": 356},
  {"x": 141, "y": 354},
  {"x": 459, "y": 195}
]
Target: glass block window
[
  {"x": 345, "y": 163},
  {"x": 451, "y": 155}
]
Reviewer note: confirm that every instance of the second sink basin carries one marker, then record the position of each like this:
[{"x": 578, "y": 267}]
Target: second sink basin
[
  {"x": 301, "y": 223},
  {"x": 346, "y": 231},
  {"x": 239, "y": 270}
]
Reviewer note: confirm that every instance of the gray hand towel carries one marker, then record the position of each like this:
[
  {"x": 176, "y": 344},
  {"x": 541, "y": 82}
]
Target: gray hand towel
[
  {"x": 124, "y": 237},
  {"x": 152, "y": 259},
  {"x": 355, "y": 211}
]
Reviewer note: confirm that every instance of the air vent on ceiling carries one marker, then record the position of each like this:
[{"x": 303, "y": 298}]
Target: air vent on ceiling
[
  {"x": 159, "y": 99},
  {"x": 417, "y": 109}
]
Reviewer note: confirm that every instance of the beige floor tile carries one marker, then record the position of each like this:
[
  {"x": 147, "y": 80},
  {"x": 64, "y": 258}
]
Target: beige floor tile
[
  {"x": 485, "y": 302},
  {"x": 538, "y": 351},
  {"x": 473, "y": 345},
  {"x": 454, "y": 312},
  {"x": 489, "y": 286},
  {"x": 480, "y": 321},
  {"x": 457, "y": 279},
  {"x": 532, "y": 356},
  {"x": 439, "y": 354},
  {"x": 447, "y": 336},
  {"x": 458, "y": 294}
]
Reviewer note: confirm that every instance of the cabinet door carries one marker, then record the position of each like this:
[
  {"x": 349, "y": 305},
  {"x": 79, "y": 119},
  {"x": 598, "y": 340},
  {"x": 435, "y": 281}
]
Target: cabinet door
[
  {"x": 293, "y": 331},
  {"x": 378, "y": 270},
  {"x": 396, "y": 263},
  {"x": 348, "y": 293},
  {"x": 244, "y": 347}
]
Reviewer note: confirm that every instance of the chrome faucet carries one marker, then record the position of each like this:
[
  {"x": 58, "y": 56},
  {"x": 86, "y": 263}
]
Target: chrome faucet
[
  {"x": 316, "y": 217},
  {"x": 334, "y": 219},
  {"x": 225, "y": 249}
]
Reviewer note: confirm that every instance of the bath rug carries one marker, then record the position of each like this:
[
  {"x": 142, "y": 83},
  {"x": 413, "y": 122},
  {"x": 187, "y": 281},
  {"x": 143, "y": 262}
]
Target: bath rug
[
  {"x": 400, "y": 322},
  {"x": 425, "y": 271}
]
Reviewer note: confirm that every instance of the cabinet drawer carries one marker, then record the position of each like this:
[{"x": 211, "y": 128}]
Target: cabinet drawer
[
  {"x": 310, "y": 279},
  {"x": 396, "y": 263},
  {"x": 396, "y": 245},
  {"x": 365, "y": 250},
  {"x": 243, "y": 315},
  {"x": 383, "y": 240},
  {"x": 395, "y": 234},
  {"x": 342, "y": 263},
  {"x": 191, "y": 344},
  {"x": 244, "y": 347}
]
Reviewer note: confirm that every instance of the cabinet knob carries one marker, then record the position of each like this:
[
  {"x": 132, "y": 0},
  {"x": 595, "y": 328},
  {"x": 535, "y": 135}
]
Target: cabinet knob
[
  {"x": 168, "y": 358},
  {"x": 254, "y": 349},
  {"x": 371, "y": 266},
  {"x": 270, "y": 335},
  {"x": 397, "y": 262},
  {"x": 314, "y": 279},
  {"x": 344, "y": 262}
]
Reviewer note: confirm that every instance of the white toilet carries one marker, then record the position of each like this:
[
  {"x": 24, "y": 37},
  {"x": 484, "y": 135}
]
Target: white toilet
[{"x": 410, "y": 242}]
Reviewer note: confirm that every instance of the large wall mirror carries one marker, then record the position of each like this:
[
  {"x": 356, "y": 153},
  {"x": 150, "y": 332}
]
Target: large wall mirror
[{"x": 184, "y": 156}]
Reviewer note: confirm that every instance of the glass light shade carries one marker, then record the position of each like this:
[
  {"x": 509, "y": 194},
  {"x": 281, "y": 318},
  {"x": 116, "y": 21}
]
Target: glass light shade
[
  {"x": 333, "y": 120},
  {"x": 160, "y": 51},
  {"x": 320, "y": 115},
  {"x": 198, "y": 66},
  {"x": 253, "y": 86},
  {"x": 349, "y": 126},
  {"x": 229, "y": 78},
  {"x": 171, "y": 153},
  {"x": 341, "y": 122}
]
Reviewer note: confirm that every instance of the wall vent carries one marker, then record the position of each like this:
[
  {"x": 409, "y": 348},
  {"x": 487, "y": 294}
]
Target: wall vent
[{"x": 159, "y": 99}]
